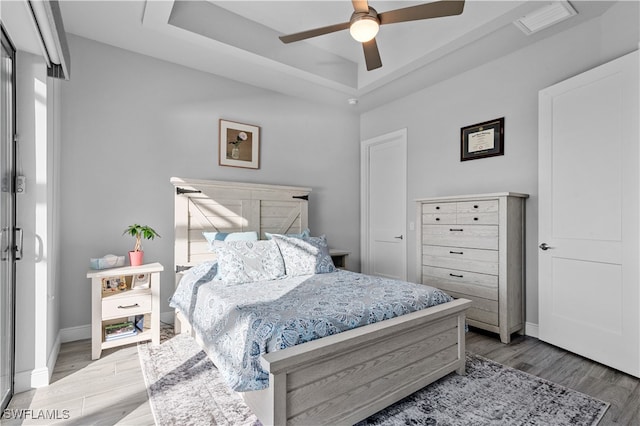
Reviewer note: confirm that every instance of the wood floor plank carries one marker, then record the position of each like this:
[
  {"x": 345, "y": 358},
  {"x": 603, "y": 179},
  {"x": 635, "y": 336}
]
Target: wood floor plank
[{"x": 111, "y": 390}]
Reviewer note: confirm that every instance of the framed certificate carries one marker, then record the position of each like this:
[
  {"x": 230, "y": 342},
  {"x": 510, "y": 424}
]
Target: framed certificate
[{"x": 482, "y": 140}]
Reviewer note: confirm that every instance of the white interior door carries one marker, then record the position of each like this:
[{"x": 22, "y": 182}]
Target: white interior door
[
  {"x": 384, "y": 205},
  {"x": 589, "y": 216}
]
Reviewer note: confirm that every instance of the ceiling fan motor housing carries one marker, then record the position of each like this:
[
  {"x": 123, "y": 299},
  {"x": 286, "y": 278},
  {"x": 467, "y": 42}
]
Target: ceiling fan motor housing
[{"x": 364, "y": 25}]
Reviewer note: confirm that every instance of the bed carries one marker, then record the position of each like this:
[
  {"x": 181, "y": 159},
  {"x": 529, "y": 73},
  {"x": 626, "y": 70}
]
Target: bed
[{"x": 338, "y": 379}]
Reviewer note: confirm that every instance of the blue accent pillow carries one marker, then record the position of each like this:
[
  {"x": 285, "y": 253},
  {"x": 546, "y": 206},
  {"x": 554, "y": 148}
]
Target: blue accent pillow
[{"x": 304, "y": 234}]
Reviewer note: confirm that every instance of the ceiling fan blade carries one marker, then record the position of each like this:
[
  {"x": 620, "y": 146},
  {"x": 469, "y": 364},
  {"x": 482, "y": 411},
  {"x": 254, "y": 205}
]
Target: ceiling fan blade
[
  {"x": 360, "y": 6},
  {"x": 314, "y": 33},
  {"x": 422, "y": 11},
  {"x": 372, "y": 54}
]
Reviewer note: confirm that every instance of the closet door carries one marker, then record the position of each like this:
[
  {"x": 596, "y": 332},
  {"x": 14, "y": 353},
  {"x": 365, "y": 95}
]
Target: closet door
[{"x": 589, "y": 215}]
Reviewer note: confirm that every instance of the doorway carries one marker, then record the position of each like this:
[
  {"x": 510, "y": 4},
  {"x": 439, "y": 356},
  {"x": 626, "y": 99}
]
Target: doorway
[
  {"x": 383, "y": 191},
  {"x": 7, "y": 219}
]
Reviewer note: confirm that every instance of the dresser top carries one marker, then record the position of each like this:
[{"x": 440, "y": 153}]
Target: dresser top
[{"x": 473, "y": 197}]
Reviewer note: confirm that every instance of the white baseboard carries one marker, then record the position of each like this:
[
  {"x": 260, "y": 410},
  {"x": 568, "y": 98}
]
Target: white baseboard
[
  {"x": 72, "y": 334},
  {"x": 26, "y": 380},
  {"x": 53, "y": 357},
  {"x": 531, "y": 329}
]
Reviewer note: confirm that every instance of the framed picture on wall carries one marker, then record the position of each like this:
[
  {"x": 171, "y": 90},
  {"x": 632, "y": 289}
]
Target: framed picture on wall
[
  {"x": 482, "y": 140},
  {"x": 239, "y": 145}
]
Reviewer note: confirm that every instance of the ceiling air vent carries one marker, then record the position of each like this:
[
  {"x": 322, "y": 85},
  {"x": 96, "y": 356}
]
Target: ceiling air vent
[{"x": 545, "y": 17}]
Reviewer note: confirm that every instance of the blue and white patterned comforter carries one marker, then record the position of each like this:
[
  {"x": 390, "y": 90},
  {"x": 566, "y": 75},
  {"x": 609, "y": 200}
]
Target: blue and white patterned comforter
[{"x": 239, "y": 322}]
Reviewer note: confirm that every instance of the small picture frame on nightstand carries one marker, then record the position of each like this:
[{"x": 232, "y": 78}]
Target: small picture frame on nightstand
[
  {"x": 141, "y": 281},
  {"x": 114, "y": 284}
]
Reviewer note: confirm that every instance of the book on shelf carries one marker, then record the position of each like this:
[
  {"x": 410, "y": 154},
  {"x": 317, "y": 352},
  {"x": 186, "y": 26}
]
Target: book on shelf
[
  {"x": 116, "y": 331},
  {"x": 120, "y": 336}
]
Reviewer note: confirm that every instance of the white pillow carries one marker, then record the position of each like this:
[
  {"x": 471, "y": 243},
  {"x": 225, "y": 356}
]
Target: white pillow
[
  {"x": 248, "y": 261},
  {"x": 305, "y": 256},
  {"x": 229, "y": 236}
]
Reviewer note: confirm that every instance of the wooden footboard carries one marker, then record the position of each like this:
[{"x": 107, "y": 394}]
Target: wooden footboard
[{"x": 345, "y": 378}]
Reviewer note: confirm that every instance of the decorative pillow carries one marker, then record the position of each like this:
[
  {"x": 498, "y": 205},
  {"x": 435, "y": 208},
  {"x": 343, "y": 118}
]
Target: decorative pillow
[
  {"x": 305, "y": 256},
  {"x": 304, "y": 234},
  {"x": 248, "y": 261},
  {"x": 229, "y": 236}
]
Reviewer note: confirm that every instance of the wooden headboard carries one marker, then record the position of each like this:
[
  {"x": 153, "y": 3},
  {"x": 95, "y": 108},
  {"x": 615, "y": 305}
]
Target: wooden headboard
[{"x": 219, "y": 206}]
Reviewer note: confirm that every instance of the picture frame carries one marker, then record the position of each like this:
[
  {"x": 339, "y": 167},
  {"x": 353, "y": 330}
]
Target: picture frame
[
  {"x": 114, "y": 284},
  {"x": 140, "y": 281},
  {"x": 238, "y": 145},
  {"x": 482, "y": 140}
]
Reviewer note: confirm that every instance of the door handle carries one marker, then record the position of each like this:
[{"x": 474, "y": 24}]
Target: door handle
[
  {"x": 544, "y": 246},
  {"x": 18, "y": 246},
  {"x": 399, "y": 237},
  {"x": 6, "y": 247}
]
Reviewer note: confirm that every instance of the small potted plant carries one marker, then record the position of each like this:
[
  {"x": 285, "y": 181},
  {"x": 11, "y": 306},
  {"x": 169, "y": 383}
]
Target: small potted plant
[{"x": 139, "y": 232}]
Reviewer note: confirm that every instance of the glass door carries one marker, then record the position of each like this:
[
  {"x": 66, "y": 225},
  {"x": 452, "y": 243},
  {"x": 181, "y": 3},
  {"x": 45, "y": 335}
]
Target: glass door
[{"x": 7, "y": 219}]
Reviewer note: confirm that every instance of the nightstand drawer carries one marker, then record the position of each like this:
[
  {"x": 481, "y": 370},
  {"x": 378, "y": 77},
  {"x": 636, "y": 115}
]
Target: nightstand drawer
[
  {"x": 117, "y": 307},
  {"x": 476, "y": 236}
]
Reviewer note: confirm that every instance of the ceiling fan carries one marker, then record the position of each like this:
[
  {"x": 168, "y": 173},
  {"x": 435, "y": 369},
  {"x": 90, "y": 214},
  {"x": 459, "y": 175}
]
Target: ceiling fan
[{"x": 365, "y": 22}]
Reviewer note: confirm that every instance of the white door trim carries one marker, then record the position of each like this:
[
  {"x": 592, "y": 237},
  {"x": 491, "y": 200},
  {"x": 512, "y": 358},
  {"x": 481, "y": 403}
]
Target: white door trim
[{"x": 365, "y": 238}]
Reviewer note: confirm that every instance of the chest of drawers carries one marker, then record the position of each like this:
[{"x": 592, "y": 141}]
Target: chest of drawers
[{"x": 473, "y": 247}]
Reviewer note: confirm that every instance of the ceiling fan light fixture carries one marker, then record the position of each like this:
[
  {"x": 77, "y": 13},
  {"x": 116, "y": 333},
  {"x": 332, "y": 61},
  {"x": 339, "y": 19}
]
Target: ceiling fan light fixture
[{"x": 364, "y": 28}]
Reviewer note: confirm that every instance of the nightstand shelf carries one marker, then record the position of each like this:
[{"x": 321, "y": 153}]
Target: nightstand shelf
[
  {"x": 114, "y": 300},
  {"x": 339, "y": 258}
]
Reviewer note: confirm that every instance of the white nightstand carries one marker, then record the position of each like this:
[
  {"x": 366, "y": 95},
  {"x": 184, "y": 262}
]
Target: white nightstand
[
  {"x": 114, "y": 300},
  {"x": 339, "y": 258}
]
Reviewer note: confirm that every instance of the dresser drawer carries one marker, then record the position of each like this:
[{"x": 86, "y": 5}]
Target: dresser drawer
[
  {"x": 436, "y": 218},
  {"x": 484, "y": 206},
  {"x": 465, "y": 277},
  {"x": 483, "y": 310},
  {"x": 115, "y": 306},
  {"x": 477, "y": 218},
  {"x": 489, "y": 293},
  {"x": 468, "y": 236},
  {"x": 439, "y": 208},
  {"x": 464, "y": 259}
]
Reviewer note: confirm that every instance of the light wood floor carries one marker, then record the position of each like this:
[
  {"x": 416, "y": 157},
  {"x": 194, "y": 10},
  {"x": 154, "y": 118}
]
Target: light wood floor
[{"x": 111, "y": 390}]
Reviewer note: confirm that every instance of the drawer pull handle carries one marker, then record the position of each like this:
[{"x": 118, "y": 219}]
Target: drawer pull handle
[
  {"x": 135, "y": 305},
  {"x": 475, "y": 206},
  {"x": 437, "y": 207},
  {"x": 456, "y": 229},
  {"x": 475, "y": 218},
  {"x": 437, "y": 218},
  {"x": 456, "y": 252},
  {"x": 457, "y": 276}
]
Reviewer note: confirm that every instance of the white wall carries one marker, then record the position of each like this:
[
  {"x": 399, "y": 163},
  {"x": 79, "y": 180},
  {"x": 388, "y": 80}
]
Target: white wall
[
  {"x": 507, "y": 87},
  {"x": 130, "y": 122}
]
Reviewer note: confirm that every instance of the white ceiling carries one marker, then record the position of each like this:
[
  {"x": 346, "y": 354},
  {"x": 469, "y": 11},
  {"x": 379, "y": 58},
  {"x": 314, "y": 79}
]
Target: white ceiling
[{"x": 238, "y": 40}]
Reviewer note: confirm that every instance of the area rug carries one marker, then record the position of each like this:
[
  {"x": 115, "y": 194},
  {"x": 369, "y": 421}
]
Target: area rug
[{"x": 185, "y": 389}]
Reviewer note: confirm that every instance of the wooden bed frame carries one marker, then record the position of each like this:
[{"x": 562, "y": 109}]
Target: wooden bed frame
[{"x": 339, "y": 379}]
